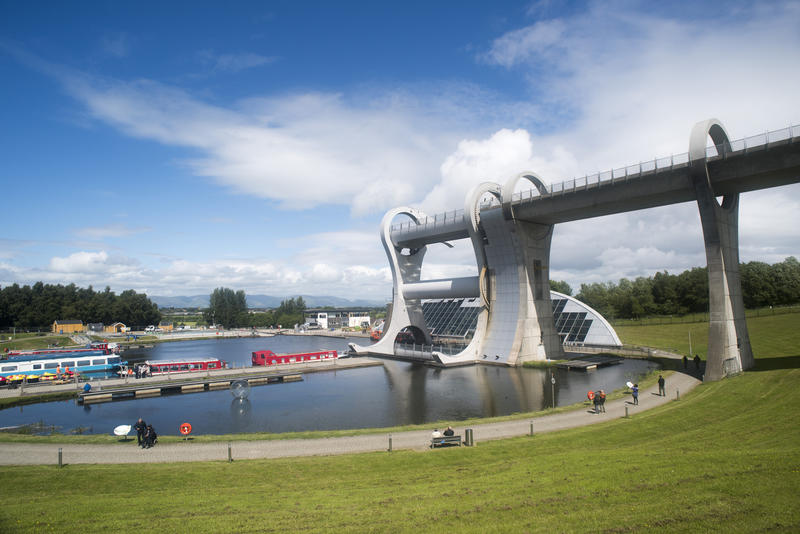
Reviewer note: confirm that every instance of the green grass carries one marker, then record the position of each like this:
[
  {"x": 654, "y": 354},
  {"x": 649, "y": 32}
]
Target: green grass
[
  {"x": 33, "y": 341},
  {"x": 702, "y": 464},
  {"x": 768, "y": 334},
  {"x": 723, "y": 458}
]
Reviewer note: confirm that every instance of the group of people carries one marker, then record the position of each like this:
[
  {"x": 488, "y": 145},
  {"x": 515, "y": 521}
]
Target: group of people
[
  {"x": 599, "y": 400},
  {"x": 143, "y": 371},
  {"x": 145, "y": 434},
  {"x": 447, "y": 432},
  {"x": 696, "y": 360}
]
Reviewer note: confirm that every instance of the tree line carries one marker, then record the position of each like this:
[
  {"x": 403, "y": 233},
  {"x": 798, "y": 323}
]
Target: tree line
[
  {"x": 763, "y": 285},
  {"x": 229, "y": 309},
  {"x": 39, "y": 305}
]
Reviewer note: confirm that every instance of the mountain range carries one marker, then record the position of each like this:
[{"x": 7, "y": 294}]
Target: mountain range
[{"x": 265, "y": 301}]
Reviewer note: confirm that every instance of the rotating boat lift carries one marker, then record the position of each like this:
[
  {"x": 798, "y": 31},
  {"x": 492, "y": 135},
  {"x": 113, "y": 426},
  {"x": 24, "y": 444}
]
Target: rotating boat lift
[{"x": 512, "y": 250}]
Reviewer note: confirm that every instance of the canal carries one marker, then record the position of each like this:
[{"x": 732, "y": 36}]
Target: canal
[{"x": 397, "y": 393}]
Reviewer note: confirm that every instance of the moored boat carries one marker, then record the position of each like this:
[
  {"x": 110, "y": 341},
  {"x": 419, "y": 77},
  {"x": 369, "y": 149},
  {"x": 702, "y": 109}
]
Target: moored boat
[
  {"x": 267, "y": 357},
  {"x": 64, "y": 364},
  {"x": 156, "y": 367}
]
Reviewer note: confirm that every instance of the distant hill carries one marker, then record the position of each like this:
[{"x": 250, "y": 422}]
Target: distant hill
[{"x": 265, "y": 301}]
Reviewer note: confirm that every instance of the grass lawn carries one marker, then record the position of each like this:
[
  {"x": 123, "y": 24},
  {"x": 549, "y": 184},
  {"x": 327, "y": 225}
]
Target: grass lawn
[
  {"x": 33, "y": 341},
  {"x": 723, "y": 458}
]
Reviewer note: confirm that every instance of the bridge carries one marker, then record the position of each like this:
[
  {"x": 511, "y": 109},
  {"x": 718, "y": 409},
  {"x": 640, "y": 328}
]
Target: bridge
[{"x": 511, "y": 234}]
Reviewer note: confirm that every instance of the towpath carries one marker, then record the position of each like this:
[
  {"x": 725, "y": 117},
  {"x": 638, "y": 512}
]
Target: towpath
[{"x": 129, "y": 453}]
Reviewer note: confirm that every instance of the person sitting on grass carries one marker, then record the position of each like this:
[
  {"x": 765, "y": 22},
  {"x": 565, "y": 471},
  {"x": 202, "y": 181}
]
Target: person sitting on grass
[{"x": 150, "y": 437}]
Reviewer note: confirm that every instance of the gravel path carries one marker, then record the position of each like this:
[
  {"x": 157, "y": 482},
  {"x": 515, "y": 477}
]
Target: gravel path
[{"x": 42, "y": 454}]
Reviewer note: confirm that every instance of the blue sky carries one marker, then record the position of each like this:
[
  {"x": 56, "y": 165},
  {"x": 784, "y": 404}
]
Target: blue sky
[{"x": 176, "y": 147}]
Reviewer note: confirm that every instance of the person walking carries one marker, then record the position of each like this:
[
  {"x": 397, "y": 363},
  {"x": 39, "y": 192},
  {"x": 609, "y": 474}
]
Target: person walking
[
  {"x": 685, "y": 362},
  {"x": 140, "y": 427},
  {"x": 602, "y": 395},
  {"x": 661, "y": 382},
  {"x": 635, "y": 394},
  {"x": 697, "y": 361}
]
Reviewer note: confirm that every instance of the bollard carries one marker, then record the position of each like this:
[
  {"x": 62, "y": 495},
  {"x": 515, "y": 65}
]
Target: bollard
[
  {"x": 626, "y": 412},
  {"x": 531, "y": 428},
  {"x": 390, "y": 443},
  {"x": 59, "y": 457},
  {"x": 677, "y": 394},
  {"x": 230, "y": 458},
  {"x": 468, "y": 440}
]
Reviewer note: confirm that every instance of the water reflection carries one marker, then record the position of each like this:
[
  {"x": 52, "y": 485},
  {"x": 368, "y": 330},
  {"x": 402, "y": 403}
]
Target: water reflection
[
  {"x": 397, "y": 393},
  {"x": 240, "y": 408}
]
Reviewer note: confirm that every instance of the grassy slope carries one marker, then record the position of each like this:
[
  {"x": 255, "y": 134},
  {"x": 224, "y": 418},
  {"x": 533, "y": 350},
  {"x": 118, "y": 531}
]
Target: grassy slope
[{"x": 723, "y": 458}]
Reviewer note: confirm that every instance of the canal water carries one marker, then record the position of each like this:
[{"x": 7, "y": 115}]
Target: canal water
[{"x": 396, "y": 393}]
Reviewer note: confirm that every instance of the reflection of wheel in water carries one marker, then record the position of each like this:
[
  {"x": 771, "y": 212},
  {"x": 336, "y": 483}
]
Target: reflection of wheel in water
[{"x": 240, "y": 389}]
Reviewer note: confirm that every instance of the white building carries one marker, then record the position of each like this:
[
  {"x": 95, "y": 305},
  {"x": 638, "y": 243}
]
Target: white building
[{"x": 337, "y": 318}]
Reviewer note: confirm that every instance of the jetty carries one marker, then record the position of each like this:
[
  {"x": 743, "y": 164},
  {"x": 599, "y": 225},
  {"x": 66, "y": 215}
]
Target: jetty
[
  {"x": 169, "y": 381},
  {"x": 589, "y": 362},
  {"x": 138, "y": 391}
]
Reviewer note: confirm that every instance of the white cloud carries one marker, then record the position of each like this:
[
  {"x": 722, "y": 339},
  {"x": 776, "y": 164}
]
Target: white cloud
[
  {"x": 301, "y": 150},
  {"x": 232, "y": 62}
]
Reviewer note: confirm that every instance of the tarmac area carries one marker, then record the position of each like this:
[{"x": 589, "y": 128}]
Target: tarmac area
[{"x": 677, "y": 384}]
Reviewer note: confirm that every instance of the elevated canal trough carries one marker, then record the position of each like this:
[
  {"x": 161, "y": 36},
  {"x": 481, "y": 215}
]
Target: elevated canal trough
[{"x": 139, "y": 391}]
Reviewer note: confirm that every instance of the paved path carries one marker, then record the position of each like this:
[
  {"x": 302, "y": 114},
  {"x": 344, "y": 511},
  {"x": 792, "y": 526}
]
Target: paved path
[{"x": 35, "y": 453}]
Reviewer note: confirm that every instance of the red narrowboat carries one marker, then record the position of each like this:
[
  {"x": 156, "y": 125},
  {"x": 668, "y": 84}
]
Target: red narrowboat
[
  {"x": 176, "y": 366},
  {"x": 267, "y": 357}
]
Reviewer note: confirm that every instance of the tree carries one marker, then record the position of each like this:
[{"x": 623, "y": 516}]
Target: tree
[
  {"x": 226, "y": 307},
  {"x": 561, "y": 287}
]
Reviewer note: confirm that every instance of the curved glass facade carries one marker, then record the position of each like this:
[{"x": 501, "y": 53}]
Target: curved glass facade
[{"x": 576, "y": 323}]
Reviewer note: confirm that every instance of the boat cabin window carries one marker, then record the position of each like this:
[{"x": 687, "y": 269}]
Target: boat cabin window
[
  {"x": 51, "y": 365},
  {"x": 174, "y": 367},
  {"x": 68, "y": 364},
  {"x": 37, "y": 366},
  {"x": 184, "y": 367},
  {"x": 196, "y": 366},
  {"x": 99, "y": 362},
  {"x": 114, "y": 360},
  {"x": 81, "y": 363},
  {"x": 212, "y": 365},
  {"x": 9, "y": 368}
]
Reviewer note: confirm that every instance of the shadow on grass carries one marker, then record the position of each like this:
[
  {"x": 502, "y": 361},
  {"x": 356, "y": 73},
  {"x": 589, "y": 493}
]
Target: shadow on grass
[{"x": 772, "y": 364}]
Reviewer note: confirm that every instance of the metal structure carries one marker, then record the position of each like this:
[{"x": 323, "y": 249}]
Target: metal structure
[{"x": 511, "y": 235}]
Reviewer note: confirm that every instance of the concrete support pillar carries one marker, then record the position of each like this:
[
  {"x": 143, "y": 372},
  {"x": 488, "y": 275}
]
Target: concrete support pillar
[{"x": 729, "y": 350}]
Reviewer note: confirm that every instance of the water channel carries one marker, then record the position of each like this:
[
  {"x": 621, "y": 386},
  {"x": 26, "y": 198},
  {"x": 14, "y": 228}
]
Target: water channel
[{"x": 396, "y": 393}]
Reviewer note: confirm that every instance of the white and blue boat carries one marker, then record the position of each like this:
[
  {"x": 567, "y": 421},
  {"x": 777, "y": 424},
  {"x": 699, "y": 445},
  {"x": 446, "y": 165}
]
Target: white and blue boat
[{"x": 63, "y": 363}]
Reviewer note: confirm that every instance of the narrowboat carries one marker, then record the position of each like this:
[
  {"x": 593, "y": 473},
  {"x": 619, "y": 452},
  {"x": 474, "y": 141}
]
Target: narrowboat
[
  {"x": 176, "y": 366},
  {"x": 267, "y": 357}
]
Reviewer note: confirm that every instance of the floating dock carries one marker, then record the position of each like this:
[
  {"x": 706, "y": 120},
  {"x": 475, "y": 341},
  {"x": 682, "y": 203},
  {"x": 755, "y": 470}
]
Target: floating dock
[
  {"x": 586, "y": 362},
  {"x": 174, "y": 387}
]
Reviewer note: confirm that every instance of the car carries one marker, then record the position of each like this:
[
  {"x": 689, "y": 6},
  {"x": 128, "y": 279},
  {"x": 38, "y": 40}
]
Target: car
[{"x": 150, "y": 328}]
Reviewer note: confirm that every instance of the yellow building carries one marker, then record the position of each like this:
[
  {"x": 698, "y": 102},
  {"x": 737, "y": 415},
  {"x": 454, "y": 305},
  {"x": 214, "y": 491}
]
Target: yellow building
[
  {"x": 165, "y": 326},
  {"x": 67, "y": 326},
  {"x": 116, "y": 328}
]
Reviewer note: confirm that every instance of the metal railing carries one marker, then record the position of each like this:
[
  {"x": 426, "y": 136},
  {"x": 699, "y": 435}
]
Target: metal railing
[{"x": 426, "y": 351}]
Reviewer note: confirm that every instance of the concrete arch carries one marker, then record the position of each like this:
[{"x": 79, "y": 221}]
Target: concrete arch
[
  {"x": 406, "y": 269},
  {"x": 701, "y": 131},
  {"x": 508, "y": 190}
]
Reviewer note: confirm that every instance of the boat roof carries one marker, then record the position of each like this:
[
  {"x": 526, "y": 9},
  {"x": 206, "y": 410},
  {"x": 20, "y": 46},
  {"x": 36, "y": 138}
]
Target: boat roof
[{"x": 185, "y": 360}]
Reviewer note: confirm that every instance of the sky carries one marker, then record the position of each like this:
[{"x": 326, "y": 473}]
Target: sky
[{"x": 176, "y": 147}]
